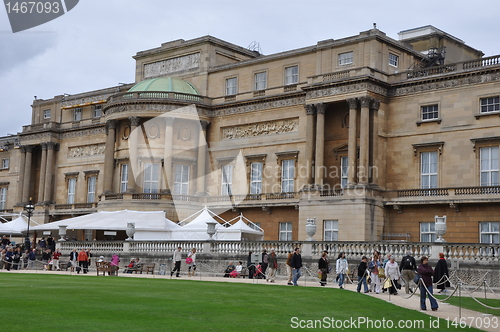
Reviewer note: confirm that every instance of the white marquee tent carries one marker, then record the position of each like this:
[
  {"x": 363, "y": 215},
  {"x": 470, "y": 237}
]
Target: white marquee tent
[{"x": 16, "y": 226}]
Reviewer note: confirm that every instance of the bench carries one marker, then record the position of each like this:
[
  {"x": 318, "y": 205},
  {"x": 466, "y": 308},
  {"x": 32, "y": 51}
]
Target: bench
[
  {"x": 148, "y": 268},
  {"x": 106, "y": 267}
]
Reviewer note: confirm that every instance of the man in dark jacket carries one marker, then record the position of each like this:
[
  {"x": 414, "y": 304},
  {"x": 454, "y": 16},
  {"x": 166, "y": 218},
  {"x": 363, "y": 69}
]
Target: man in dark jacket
[
  {"x": 407, "y": 268},
  {"x": 296, "y": 263},
  {"x": 250, "y": 266},
  {"x": 362, "y": 274}
]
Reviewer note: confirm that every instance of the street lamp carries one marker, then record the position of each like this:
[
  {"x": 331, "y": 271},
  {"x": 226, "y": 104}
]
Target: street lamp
[{"x": 29, "y": 211}]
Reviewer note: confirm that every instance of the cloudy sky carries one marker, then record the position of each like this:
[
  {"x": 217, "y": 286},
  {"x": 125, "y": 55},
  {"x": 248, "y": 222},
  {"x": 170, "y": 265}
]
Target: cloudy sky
[{"x": 91, "y": 47}]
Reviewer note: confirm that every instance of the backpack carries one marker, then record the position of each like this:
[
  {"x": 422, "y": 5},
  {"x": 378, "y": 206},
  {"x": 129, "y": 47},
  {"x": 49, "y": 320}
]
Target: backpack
[
  {"x": 264, "y": 260},
  {"x": 407, "y": 264}
]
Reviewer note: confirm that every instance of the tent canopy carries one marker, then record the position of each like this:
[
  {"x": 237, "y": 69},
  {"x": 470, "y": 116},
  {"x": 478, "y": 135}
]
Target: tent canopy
[{"x": 16, "y": 226}]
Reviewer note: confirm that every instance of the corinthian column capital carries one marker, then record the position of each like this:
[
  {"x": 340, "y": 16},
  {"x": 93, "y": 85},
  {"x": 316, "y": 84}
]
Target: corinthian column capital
[
  {"x": 310, "y": 109},
  {"x": 353, "y": 103},
  {"x": 365, "y": 101},
  {"x": 320, "y": 108}
]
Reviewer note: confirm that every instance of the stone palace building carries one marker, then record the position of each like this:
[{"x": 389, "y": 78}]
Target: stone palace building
[{"x": 371, "y": 136}]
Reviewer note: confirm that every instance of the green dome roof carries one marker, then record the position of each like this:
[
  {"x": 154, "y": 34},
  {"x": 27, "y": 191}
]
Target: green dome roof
[{"x": 165, "y": 84}]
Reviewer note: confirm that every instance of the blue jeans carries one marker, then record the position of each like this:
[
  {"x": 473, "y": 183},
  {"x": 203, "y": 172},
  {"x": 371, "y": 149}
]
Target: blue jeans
[
  {"x": 296, "y": 276},
  {"x": 362, "y": 280},
  {"x": 341, "y": 279},
  {"x": 423, "y": 295}
]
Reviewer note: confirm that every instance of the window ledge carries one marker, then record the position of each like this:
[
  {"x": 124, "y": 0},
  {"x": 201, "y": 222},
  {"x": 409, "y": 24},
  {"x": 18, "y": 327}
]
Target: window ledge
[
  {"x": 478, "y": 115},
  {"x": 426, "y": 121}
]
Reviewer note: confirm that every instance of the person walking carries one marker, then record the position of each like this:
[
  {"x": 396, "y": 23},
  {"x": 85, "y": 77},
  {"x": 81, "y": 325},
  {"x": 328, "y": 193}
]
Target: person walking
[
  {"x": 115, "y": 264},
  {"x": 374, "y": 266},
  {"x": 31, "y": 260},
  {"x": 177, "y": 261},
  {"x": 250, "y": 266},
  {"x": 407, "y": 268},
  {"x": 272, "y": 266},
  {"x": 289, "y": 270},
  {"x": 296, "y": 264},
  {"x": 55, "y": 260},
  {"x": 73, "y": 258},
  {"x": 323, "y": 267},
  {"x": 342, "y": 267},
  {"x": 441, "y": 274},
  {"x": 362, "y": 274},
  {"x": 264, "y": 264},
  {"x": 191, "y": 258},
  {"x": 392, "y": 272},
  {"x": 426, "y": 273}
]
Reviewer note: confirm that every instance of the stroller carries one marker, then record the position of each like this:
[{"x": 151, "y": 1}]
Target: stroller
[{"x": 258, "y": 272}]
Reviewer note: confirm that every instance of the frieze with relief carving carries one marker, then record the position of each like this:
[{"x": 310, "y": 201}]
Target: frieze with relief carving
[
  {"x": 259, "y": 106},
  {"x": 261, "y": 129},
  {"x": 342, "y": 89},
  {"x": 159, "y": 108},
  {"x": 86, "y": 150},
  {"x": 85, "y": 132},
  {"x": 172, "y": 65},
  {"x": 85, "y": 100}
]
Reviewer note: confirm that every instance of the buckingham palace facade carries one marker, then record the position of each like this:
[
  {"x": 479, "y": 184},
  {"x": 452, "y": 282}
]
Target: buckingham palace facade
[{"x": 371, "y": 136}]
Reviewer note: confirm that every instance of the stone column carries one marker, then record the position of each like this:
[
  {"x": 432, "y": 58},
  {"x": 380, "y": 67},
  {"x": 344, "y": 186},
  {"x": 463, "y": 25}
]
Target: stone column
[
  {"x": 132, "y": 145},
  {"x": 43, "y": 169},
  {"x": 375, "y": 105},
  {"x": 109, "y": 157},
  {"x": 319, "y": 162},
  {"x": 364, "y": 140},
  {"x": 167, "y": 152},
  {"x": 310, "y": 112},
  {"x": 49, "y": 172},
  {"x": 202, "y": 159},
  {"x": 27, "y": 173},
  {"x": 352, "y": 142},
  {"x": 20, "y": 183}
]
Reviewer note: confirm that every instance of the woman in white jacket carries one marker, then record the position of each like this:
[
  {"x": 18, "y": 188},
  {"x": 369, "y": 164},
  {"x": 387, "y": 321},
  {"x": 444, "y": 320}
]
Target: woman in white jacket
[
  {"x": 392, "y": 272},
  {"x": 341, "y": 268}
]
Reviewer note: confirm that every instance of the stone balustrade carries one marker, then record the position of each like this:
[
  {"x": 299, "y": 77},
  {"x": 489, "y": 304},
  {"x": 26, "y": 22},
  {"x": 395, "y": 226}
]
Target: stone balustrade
[{"x": 464, "y": 253}]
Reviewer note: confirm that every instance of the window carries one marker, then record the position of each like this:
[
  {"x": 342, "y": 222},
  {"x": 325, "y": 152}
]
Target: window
[
  {"x": 255, "y": 226},
  {"x": 428, "y": 171},
  {"x": 345, "y": 58},
  {"x": 344, "y": 171},
  {"x": 77, "y": 115},
  {"x": 124, "y": 178},
  {"x": 490, "y": 104},
  {"x": 427, "y": 232},
  {"x": 3, "y": 198},
  {"x": 231, "y": 86},
  {"x": 292, "y": 75},
  {"x": 46, "y": 114},
  {"x": 97, "y": 111},
  {"x": 287, "y": 175},
  {"x": 430, "y": 112},
  {"x": 151, "y": 178},
  {"x": 256, "y": 178},
  {"x": 489, "y": 232},
  {"x": 91, "y": 186},
  {"x": 227, "y": 180},
  {"x": 393, "y": 60},
  {"x": 181, "y": 183},
  {"x": 5, "y": 163},
  {"x": 71, "y": 190},
  {"x": 489, "y": 166},
  {"x": 260, "y": 81},
  {"x": 330, "y": 230},
  {"x": 285, "y": 231}
]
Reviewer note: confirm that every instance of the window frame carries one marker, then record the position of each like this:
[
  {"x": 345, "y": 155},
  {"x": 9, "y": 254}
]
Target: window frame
[
  {"x": 150, "y": 185},
  {"x": 494, "y": 235},
  {"x": 495, "y": 104},
  {"x": 285, "y": 182},
  {"x": 393, "y": 60},
  {"x": 291, "y": 78},
  {"x": 429, "y": 232},
  {"x": 96, "y": 108},
  {"x": 77, "y": 114},
  {"x": 491, "y": 170},
  {"x": 184, "y": 184},
  {"x": 3, "y": 197},
  {"x": 424, "y": 111},
  {"x": 91, "y": 189},
  {"x": 71, "y": 190},
  {"x": 343, "y": 60},
  {"x": 333, "y": 230},
  {"x": 285, "y": 231},
  {"x": 229, "y": 88},
  {"x": 227, "y": 179},
  {"x": 256, "y": 179},
  {"x": 45, "y": 117},
  {"x": 124, "y": 173},
  {"x": 5, "y": 163},
  {"x": 344, "y": 171},
  {"x": 429, "y": 174},
  {"x": 257, "y": 82}
]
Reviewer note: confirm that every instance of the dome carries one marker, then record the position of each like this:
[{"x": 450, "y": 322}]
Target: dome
[{"x": 165, "y": 84}]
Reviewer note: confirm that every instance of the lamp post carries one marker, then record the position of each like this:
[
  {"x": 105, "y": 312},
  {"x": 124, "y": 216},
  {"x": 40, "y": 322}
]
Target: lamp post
[{"x": 29, "y": 211}]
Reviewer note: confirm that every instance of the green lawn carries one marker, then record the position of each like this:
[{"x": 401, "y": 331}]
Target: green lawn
[
  {"x": 36, "y": 302},
  {"x": 469, "y": 303}
]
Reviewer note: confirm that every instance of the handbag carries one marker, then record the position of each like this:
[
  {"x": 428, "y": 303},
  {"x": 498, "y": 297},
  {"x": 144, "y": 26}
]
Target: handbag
[
  {"x": 387, "y": 283},
  {"x": 320, "y": 274},
  {"x": 381, "y": 273},
  {"x": 189, "y": 260},
  {"x": 275, "y": 265},
  {"x": 397, "y": 284},
  {"x": 417, "y": 278}
]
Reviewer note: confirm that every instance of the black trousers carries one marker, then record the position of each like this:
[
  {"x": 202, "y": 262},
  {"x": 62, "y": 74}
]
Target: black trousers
[{"x": 177, "y": 267}]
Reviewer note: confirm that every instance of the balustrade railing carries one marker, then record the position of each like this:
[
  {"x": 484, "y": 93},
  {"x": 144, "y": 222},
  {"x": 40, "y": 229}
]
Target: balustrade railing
[
  {"x": 423, "y": 192},
  {"x": 467, "y": 253},
  {"x": 432, "y": 71},
  {"x": 478, "y": 190},
  {"x": 336, "y": 76},
  {"x": 156, "y": 95},
  {"x": 489, "y": 61}
]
